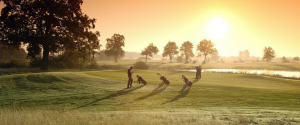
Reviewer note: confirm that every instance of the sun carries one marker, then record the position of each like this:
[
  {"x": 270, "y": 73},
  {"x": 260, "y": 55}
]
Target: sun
[{"x": 217, "y": 28}]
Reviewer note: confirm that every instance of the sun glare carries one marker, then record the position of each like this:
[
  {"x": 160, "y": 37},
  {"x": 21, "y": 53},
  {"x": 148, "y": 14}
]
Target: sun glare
[{"x": 217, "y": 28}]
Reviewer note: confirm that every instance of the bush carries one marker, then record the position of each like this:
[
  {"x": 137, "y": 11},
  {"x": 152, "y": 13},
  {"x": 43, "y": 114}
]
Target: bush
[
  {"x": 140, "y": 65},
  {"x": 92, "y": 65},
  {"x": 35, "y": 63},
  {"x": 296, "y": 58},
  {"x": 14, "y": 64},
  {"x": 65, "y": 61}
]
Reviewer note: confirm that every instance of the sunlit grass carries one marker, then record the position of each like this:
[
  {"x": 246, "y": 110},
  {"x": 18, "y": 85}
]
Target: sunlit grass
[
  {"x": 97, "y": 97},
  {"x": 207, "y": 116}
]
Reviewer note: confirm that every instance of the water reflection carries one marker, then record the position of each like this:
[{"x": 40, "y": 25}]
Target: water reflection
[{"x": 291, "y": 74}]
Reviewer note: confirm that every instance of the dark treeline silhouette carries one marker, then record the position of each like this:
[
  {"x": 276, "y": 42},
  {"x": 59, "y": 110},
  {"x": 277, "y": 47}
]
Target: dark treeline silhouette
[
  {"x": 101, "y": 56},
  {"x": 48, "y": 26}
]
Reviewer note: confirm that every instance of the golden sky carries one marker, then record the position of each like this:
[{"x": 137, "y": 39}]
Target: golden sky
[{"x": 249, "y": 24}]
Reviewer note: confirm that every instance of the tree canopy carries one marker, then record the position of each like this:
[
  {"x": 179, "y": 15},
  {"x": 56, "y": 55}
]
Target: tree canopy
[
  {"x": 269, "y": 53},
  {"x": 114, "y": 46},
  {"x": 47, "y": 26},
  {"x": 186, "y": 49},
  {"x": 206, "y": 47},
  {"x": 150, "y": 51},
  {"x": 244, "y": 54},
  {"x": 170, "y": 50}
]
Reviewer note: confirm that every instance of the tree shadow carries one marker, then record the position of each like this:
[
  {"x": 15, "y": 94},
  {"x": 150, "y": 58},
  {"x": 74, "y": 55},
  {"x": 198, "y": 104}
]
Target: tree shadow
[
  {"x": 181, "y": 95},
  {"x": 161, "y": 87},
  {"x": 116, "y": 94}
]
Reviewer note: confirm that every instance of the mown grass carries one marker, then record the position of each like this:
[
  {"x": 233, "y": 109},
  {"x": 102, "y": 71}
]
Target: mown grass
[
  {"x": 99, "y": 97},
  {"x": 213, "y": 90},
  {"x": 208, "y": 116}
]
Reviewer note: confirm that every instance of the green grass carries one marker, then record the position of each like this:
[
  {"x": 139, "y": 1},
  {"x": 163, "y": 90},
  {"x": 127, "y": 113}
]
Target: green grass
[
  {"x": 241, "y": 98},
  {"x": 213, "y": 90},
  {"x": 98, "y": 91}
]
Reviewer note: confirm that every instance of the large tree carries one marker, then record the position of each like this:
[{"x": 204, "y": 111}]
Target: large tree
[
  {"x": 186, "y": 49},
  {"x": 170, "y": 50},
  {"x": 114, "y": 46},
  {"x": 47, "y": 26},
  {"x": 206, "y": 47},
  {"x": 150, "y": 51},
  {"x": 269, "y": 53}
]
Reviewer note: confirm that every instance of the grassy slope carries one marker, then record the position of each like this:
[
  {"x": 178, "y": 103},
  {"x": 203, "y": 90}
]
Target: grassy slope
[
  {"x": 216, "y": 93},
  {"x": 213, "y": 90},
  {"x": 84, "y": 91}
]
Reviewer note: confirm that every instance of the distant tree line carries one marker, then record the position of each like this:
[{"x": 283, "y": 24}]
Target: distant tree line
[
  {"x": 205, "y": 47},
  {"x": 58, "y": 34}
]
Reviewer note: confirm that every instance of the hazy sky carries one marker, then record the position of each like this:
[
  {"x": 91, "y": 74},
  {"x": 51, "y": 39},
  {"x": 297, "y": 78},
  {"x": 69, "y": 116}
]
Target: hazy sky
[{"x": 233, "y": 25}]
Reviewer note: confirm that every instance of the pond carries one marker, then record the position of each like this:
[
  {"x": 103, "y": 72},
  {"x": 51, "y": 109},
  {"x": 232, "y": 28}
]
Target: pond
[{"x": 282, "y": 73}]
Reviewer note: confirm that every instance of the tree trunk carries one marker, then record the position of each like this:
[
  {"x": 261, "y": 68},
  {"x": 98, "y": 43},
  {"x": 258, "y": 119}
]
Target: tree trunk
[
  {"x": 45, "y": 57},
  {"x": 146, "y": 58},
  {"x": 170, "y": 59},
  {"x": 186, "y": 59},
  {"x": 116, "y": 57}
]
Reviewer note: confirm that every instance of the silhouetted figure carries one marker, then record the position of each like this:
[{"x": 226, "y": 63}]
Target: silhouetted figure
[
  {"x": 200, "y": 70},
  {"x": 187, "y": 81},
  {"x": 164, "y": 79},
  {"x": 129, "y": 72},
  {"x": 140, "y": 79},
  {"x": 197, "y": 72}
]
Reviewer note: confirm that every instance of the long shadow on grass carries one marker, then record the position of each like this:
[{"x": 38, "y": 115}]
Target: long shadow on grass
[
  {"x": 184, "y": 87},
  {"x": 182, "y": 94},
  {"x": 196, "y": 80},
  {"x": 157, "y": 90},
  {"x": 116, "y": 94}
]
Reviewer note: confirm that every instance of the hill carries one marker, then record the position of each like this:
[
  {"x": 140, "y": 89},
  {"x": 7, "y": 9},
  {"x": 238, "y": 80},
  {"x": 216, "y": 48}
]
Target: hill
[{"x": 98, "y": 97}]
